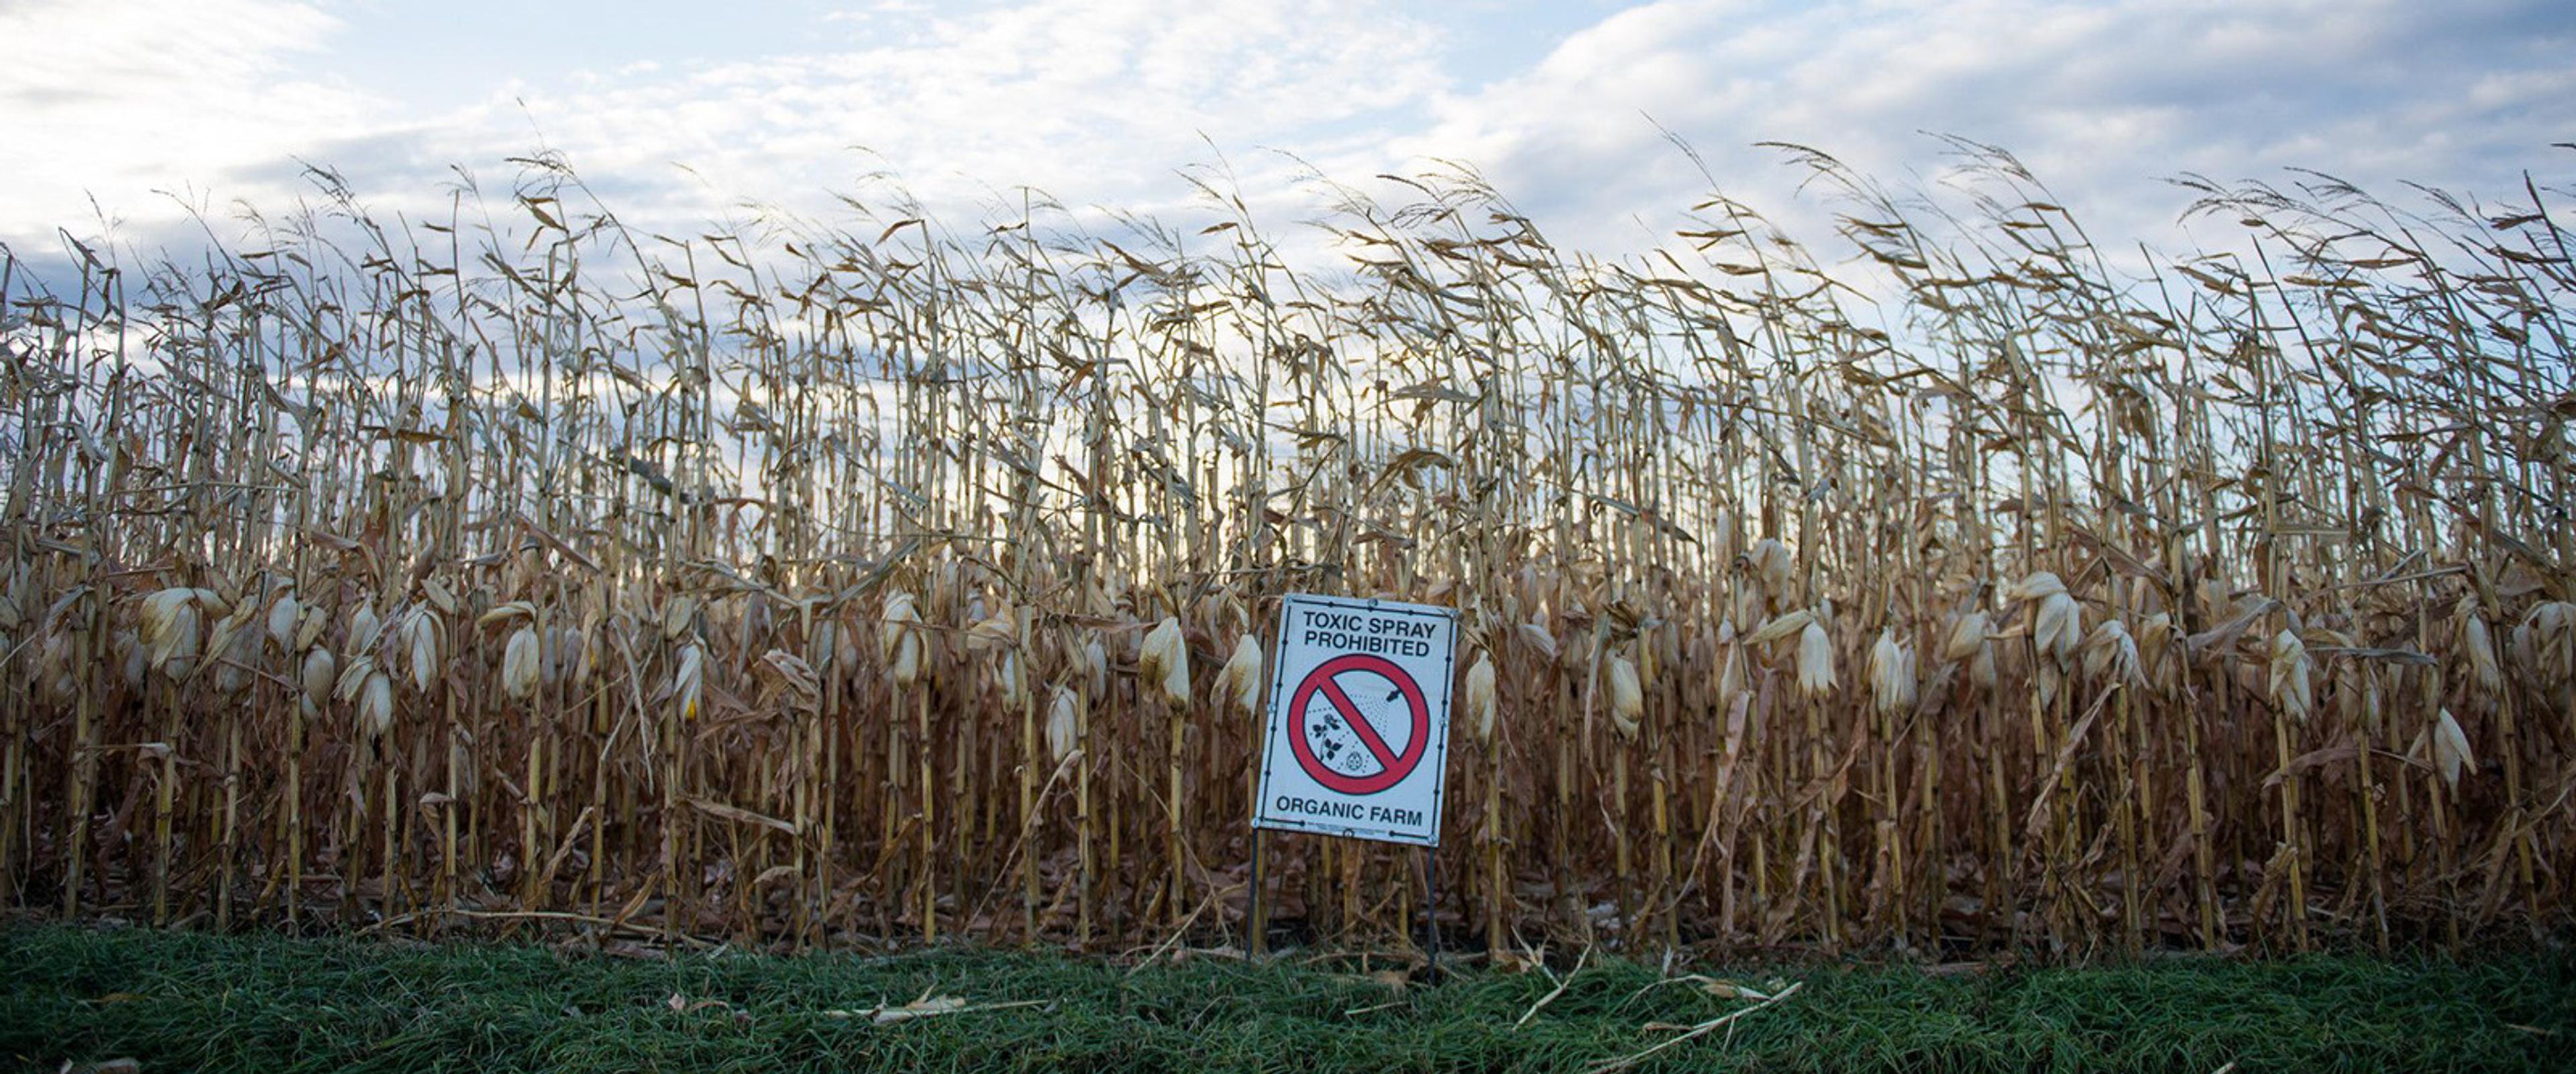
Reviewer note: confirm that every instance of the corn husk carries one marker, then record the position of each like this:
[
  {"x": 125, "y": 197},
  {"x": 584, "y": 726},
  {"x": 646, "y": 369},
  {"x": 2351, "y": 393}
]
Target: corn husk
[
  {"x": 1970, "y": 632},
  {"x": 436, "y": 594},
  {"x": 1480, "y": 698},
  {"x": 1164, "y": 660},
  {"x": 789, "y": 680},
  {"x": 285, "y": 617},
  {"x": 1627, "y": 697},
  {"x": 898, "y": 617},
  {"x": 2155, "y": 644},
  {"x": 172, "y": 626},
  {"x": 1774, "y": 566},
  {"x": 520, "y": 664},
  {"x": 1001, "y": 630},
  {"x": 1175, "y": 681},
  {"x": 2451, "y": 749},
  {"x": 1538, "y": 639},
  {"x": 506, "y": 612},
  {"x": 1062, "y": 723},
  {"x": 1241, "y": 679},
  {"x": 688, "y": 680},
  {"x": 353, "y": 677},
  {"x": 375, "y": 712},
  {"x": 2057, "y": 628},
  {"x": 2039, "y": 585},
  {"x": 233, "y": 648},
  {"x": 2290, "y": 673},
  {"x": 2478, "y": 643},
  {"x": 1782, "y": 628},
  {"x": 845, "y": 649},
  {"x": 823, "y": 647},
  {"x": 678, "y": 615},
  {"x": 905, "y": 669},
  {"x": 1012, "y": 681},
  {"x": 317, "y": 675},
  {"x": 1971, "y": 640},
  {"x": 1815, "y": 661},
  {"x": 1095, "y": 668},
  {"x": 224, "y": 635},
  {"x": 422, "y": 631},
  {"x": 567, "y": 655},
  {"x": 899, "y": 638},
  {"x": 2111, "y": 655},
  {"x": 364, "y": 628},
  {"x": 1891, "y": 674},
  {"x": 2545, "y": 643}
]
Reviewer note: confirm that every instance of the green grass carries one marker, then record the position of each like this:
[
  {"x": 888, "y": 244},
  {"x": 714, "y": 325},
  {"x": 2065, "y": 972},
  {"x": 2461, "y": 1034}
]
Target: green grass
[{"x": 186, "y": 1001}]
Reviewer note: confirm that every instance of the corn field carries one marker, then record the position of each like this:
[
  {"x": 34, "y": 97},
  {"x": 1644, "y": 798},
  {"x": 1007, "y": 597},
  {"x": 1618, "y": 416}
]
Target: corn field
[{"x": 1940, "y": 589}]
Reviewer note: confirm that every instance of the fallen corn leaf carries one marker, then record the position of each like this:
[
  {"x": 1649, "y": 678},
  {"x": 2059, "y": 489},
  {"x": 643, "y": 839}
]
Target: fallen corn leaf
[{"x": 919, "y": 1008}]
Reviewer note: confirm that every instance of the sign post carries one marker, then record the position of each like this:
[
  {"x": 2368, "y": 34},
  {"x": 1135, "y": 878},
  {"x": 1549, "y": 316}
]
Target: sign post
[{"x": 1358, "y": 741}]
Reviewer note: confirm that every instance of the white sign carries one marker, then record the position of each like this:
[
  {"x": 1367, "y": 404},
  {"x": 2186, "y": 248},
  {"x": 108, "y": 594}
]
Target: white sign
[{"x": 1359, "y": 720}]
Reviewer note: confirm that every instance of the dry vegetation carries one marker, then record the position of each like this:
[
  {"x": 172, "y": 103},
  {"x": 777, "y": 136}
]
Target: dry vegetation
[{"x": 805, "y": 580}]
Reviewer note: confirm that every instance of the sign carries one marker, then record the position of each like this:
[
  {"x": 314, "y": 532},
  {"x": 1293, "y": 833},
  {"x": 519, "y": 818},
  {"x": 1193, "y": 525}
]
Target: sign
[{"x": 1359, "y": 720}]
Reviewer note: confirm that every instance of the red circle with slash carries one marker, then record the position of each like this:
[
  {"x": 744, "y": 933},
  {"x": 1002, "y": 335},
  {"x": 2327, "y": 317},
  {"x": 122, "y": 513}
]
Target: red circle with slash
[{"x": 1392, "y": 767}]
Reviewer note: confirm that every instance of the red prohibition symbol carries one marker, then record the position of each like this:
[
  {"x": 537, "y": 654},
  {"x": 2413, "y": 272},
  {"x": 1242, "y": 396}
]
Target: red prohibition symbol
[{"x": 1392, "y": 768}]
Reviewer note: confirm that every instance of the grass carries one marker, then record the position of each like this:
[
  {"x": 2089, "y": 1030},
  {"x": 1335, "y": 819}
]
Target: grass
[{"x": 192, "y": 1001}]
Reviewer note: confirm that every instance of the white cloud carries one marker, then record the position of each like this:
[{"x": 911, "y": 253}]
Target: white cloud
[
  {"x": 2100, "y": 101},
  {"x": 1099, "y": 101},
  {"x": 123, "y": 97},
  {"x": 1093, "y": 102}
]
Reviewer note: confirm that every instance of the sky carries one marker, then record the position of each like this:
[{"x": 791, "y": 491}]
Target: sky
[{"x": 117, "y": 116}]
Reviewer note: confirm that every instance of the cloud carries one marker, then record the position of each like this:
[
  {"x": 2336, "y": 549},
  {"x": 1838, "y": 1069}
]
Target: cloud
[
  {"x": 1094, "y": 102},
  {"x": 1100, "y": 101},
  {"x": 2101, "y": 101},
  {"x": 124, "y": 97}
]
